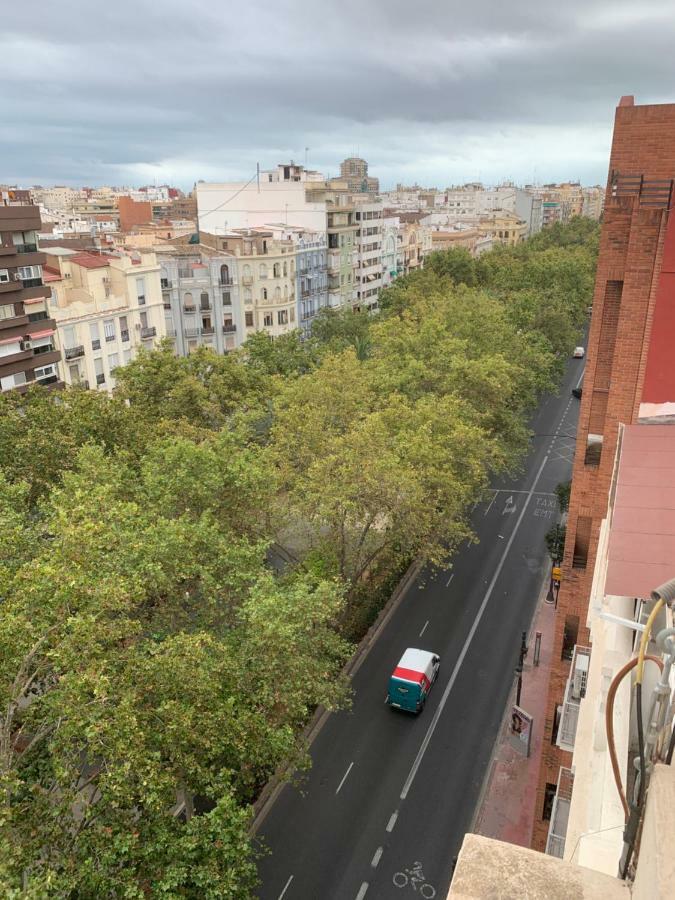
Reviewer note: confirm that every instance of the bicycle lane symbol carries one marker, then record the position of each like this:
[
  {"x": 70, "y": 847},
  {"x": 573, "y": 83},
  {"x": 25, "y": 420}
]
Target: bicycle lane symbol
[{"x": 415, "y": 879}]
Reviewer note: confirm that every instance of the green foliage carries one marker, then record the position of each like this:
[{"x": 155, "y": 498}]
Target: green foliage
[
  {"x": 149, "y": 656},
  {"x": 563, "y": 491},
  {"x": 555, "y": 542}
]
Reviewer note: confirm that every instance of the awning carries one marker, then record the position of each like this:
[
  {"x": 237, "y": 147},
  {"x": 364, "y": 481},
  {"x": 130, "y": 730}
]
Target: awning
[{"x": 40, "y": 334}]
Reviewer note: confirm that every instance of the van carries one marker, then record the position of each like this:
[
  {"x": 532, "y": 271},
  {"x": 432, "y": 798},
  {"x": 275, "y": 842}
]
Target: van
[{"x": 412, "y": 678}]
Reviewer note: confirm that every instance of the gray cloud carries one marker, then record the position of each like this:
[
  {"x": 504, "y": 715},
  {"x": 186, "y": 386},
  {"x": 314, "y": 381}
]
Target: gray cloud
[{"x": 439, "y": 91}]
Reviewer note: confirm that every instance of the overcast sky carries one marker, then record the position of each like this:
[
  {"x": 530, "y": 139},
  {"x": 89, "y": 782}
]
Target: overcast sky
[{"x": 438, "y": 91}]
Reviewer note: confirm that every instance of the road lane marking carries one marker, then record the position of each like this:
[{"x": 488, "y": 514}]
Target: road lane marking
[
  {"x": 362, "y": 891},
  {"x": 580, "y": 379},
  {"x": 392, "y": 821},
  {"x": 425, "y": 628},
  {"x": 476, "y": 622},
  {"x": 491, "y": 502},
  {"x": 378, "y": 854},
  {"x": 288, "y": 883},
  {"x": 344, "y": 777},
  {"x": 447, "y": 583}
]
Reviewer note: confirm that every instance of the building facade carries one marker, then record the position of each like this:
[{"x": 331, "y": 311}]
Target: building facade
[
  {"x": 635, "y": 263},
  {"x": 28, "y": 346},
  {"x": 369, "y": 265},
  {"x": 311, "y": 288},
  {"x": 105, "y": 308}
]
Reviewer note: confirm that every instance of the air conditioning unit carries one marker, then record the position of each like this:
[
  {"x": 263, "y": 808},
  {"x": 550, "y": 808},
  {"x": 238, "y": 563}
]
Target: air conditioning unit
[
  {"x": 580, "y": 676},
  {"x": 18, "y": 277},
  {"x": 26, "y": 345}
]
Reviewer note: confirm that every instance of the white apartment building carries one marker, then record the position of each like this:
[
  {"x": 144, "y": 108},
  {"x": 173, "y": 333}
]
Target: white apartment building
[
  {"x": 105, "y": 308},
  {"x": 368, "y": 256},
  {"x": 635, "y": 556}
]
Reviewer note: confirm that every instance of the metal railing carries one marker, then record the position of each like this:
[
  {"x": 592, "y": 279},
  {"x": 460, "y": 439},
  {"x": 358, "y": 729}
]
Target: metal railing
[
  {"x": 575, "y": 691},
  {"x": 26, "y": 248},
  {"x": 148, "y": 332},
  {"x": 208, "y": 329},
  {"x": 74, "y": 352},
  {"x": 124, "y": 335},
  {"x": 229, "y": 329},
  {"x": 557, "y": 832}
]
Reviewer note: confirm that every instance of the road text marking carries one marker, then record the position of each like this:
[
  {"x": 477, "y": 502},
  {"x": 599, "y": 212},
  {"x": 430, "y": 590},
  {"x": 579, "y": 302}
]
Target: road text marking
[
  {"x": 392, "y": 821},
  {"x": 344, "y": 777},
  {"x": 378, "y": 854},
  {"x": 285, "y": 888},
  {"x": 476, "y": 622},
  {"x": 362, "y": 891},
  {"x": 425, "y": 628}
]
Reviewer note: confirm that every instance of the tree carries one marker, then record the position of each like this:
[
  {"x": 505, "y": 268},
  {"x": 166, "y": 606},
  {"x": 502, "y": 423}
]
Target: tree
[
  {"x": 456, "y": 263},
  {"x": 286, "y": 355},
  {"x": 336, "y": 330}
]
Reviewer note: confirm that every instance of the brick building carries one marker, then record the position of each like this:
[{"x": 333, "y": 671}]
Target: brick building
[
  {"x": 133, "y": 212},
  {"x": 28, "y": 352},
  {"x": 628, "y": 378}
]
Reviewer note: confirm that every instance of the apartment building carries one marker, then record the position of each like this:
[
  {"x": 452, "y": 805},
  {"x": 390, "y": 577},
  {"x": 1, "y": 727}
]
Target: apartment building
[
  {"x": 503, "y": 227},
  {"x": 28, "y": 348},
  {"x": 201, "y": 297},
  {"x": 627, "y": 380},
  {"x": 105, "y": 307},
  {"x": 354, "y": 173},
  {"x": 311, "y": 290},
  {"x": 392, "y": 248},
  {"x": 368, "y": 256}
]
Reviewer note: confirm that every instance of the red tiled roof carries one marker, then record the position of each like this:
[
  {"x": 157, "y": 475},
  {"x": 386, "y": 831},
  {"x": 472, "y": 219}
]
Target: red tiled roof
[
  {"x": 89, "y": 260},
  {"x": 641, "y": 553},
  {"x": 49, "y": 274}
]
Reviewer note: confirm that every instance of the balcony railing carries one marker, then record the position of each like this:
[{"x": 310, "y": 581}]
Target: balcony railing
[
  {"x": 191, "y": 332},
  {"x": 205, "y": 307},
  {"x": 74, "y": 352},
  {"x": 148, "y": 332},
  {"x": 31, "y": 282},
  {"x": 575, "y": 691},
  {"x": 229, "y": 329},
  {"x": 48, "y": 379},
  {"x": 208, "y": 329},
  {"x": 227, "y": 282},
  {"x": 26, "y": 248},
  {"x": 38, "y": 316},
  {"x": 189, "y": 309},
  {"x": 557, "y": 832},
  {"x": 124, "y": 335}
]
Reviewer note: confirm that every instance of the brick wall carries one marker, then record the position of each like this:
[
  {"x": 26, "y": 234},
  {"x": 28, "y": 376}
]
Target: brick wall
[{"x": 631, "y": 249}]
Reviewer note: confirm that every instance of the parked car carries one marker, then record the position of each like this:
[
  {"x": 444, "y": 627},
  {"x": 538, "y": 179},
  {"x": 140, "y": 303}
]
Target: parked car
[
  {"x": 412, "y": 678},
  {"x": 578, "y": 353}
]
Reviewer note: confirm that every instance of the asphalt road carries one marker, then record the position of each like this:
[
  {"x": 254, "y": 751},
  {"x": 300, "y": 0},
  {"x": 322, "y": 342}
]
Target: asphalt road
[{"x": 388, "y": 790}]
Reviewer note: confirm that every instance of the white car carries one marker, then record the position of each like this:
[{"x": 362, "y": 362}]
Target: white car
[{"x": 578, "y": 353}]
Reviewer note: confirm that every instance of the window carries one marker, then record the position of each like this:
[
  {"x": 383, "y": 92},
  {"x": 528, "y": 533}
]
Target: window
[
  {"x": 282, "y": 317},
  {"x": 30, "y": 275},
  {"x": 570, "y": 635},
  {"x": 246, "y": 271},
  {"x": 227, "y": 300},
  {"x": 140, "y": 291},
  {"x": 109, "y": 330},
  {"x": 582, "y": 540},
  {"x": 285, "y": 269},
  {"x": 276, "y": 269},
  {"x": 249, "y": 319},
  {"x": 292, "y": 314},
  {"x": 224, "y": 274},
  {"x": 262, "y": 271},
  {"x": 126, "y": 356},
  {"x": 593, "y": 450},
  {"x": 94, "y": 336},
  {"x": 187, "y": 301},
  {"x": 4, "y": 276},
  {"x": 248, "y": 295},
  {"x": 144, "y": 320},
  {"x": 113, "y": 362},
  {"x": 7, "y": 311},
  {"x": 9, "y": 348},
  {"x": 46, "y": 374},
  {"x": 98, "y": 369},
  {"x": 268, "y": 320},
  {"x": 124, "y": 329},
  {"x": 204, "y": 301},
  {"x": 557, "y": 715},
  {"x": 549, "y": 797},
  {"x": 43, "y": 344},
  {"x": 164, "y": 282},
  {"x": 263, "y": 294},
  {"x": 277, "y": 294}
]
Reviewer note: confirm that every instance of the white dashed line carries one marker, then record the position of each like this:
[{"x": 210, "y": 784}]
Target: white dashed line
[
  {"x": 425, "y": 628},
  {"x": 447, "y": 583},
  {"x": 285, "y": 888},
  {"x": 344, "y": 777},
  {"x": 378, "y": 854},
  {"x": 362, "y": 891},
  {"x": 392, "y": 821}
]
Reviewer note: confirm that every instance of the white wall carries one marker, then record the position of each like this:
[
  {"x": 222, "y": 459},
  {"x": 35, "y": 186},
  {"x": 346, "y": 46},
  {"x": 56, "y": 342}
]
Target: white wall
[{"x": 222, "y": 207}]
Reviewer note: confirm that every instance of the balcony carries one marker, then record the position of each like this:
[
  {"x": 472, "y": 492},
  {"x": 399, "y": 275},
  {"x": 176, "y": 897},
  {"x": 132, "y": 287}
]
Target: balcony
[
  {"x": 227, "y": 282},
  {"x": 147, "y": 332},
  {"x": 191, "y": 332},
  {"x": 189, "y": 309},
  {"x": 31, "y": 282},
  {"x": 26, "y": 248},
  {"x": 81, "y": 383},
  {"x": 38, "y": 316},
  {"x": 205, "y": 307},
  {"x": 124, "y": 335},
  {"x": 557, "y": 831},
  {"x": 73, "y": 352},
  {"x": 208, "y": 329},
  {"x": 575, "y": 692},
  {"x": 229, "y": 329}
]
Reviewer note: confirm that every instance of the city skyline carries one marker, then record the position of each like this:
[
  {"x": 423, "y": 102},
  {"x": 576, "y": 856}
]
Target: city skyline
[{"x": 131, "y": 95}]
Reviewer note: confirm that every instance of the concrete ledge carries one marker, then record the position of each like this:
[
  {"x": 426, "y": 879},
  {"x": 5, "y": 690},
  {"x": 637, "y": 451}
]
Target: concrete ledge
[
  {"x": 491, "y": 870},
  {"x": 276, "y": 784}
]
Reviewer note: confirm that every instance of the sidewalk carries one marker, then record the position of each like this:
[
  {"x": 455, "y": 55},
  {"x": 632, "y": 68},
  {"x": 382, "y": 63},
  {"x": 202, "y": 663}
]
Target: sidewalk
[{"x": 508, "y": 806}]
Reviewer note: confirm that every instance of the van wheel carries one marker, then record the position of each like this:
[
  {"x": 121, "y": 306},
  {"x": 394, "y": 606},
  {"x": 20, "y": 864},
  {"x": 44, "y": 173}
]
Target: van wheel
[{"x": 421, "y": 707}]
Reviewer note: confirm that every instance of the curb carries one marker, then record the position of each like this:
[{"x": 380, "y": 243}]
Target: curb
[
  {"x": 277, "y": 782},
  {"x": 489, "y": 771}
]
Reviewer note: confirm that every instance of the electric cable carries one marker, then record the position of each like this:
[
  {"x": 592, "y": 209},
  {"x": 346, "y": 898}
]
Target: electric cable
[
  {"x": 671, "y": 745},
  {"x": 609, "y": 722},
  {"x": 644, "y": 640}
]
